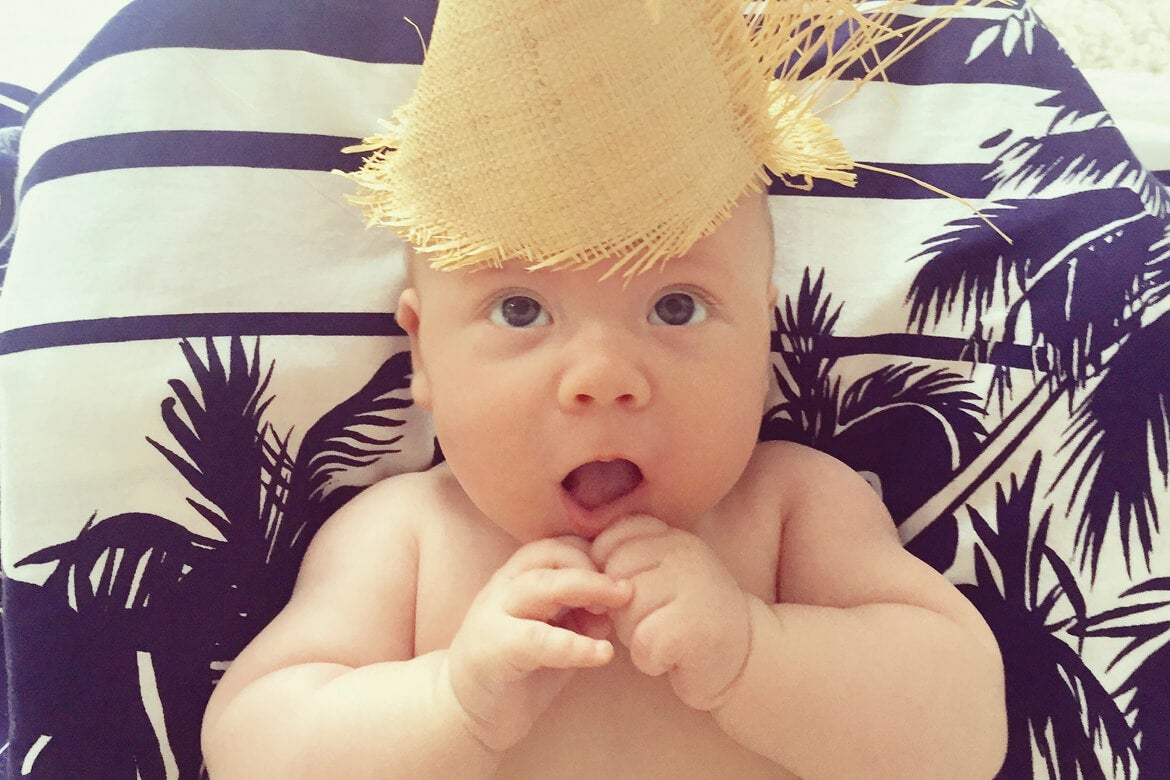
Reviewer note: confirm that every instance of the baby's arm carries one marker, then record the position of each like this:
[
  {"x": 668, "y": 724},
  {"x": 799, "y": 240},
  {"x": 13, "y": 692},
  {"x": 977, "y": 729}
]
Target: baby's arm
[
  {"x": 332, "y": 688},
  {"x": 872, "y": 664}
]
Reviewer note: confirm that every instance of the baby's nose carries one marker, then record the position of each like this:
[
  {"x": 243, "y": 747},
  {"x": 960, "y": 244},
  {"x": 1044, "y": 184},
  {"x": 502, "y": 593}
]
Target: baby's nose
[{"x": 604, "y": 376}]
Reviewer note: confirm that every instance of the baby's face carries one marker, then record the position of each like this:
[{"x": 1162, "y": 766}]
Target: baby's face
[{"x": 564, "y": 403}]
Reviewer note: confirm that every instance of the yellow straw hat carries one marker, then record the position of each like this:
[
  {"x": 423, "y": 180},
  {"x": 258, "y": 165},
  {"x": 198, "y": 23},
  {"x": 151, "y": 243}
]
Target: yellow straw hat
[{"x": 571, "y": 132}]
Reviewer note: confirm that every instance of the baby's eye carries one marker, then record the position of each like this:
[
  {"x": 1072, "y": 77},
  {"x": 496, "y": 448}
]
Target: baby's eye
[
  {"x": 519, "y": 311},
  {"x": 678, "y": 308}
]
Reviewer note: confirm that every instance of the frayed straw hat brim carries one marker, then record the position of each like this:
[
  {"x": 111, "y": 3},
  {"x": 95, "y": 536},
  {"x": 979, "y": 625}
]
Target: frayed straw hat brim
[{"x": 583, "y": 131}]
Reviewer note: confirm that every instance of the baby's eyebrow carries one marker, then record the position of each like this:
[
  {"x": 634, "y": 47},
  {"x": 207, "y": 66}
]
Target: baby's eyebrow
[
  {"x": 487, "y": 276},
  {"x": 707, "y": 262}
]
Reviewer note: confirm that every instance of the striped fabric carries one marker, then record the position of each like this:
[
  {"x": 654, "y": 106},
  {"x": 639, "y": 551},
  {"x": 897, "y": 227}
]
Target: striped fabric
[{"x": 199, "y": 363}]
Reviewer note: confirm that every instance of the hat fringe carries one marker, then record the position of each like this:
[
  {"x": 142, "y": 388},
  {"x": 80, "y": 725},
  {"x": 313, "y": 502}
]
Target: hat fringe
[
  {"x": 805, "y": 147},
  {"x": 781, "y": 57},
  {"x": 803, "y": 40}
]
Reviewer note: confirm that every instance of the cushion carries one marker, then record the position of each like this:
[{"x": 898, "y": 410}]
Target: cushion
[{"x": 199, "y": 363}]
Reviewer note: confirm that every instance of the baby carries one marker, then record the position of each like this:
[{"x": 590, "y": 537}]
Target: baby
[{"x": 609, "y": 576}]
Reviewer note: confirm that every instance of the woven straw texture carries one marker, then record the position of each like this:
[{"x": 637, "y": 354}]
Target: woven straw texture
[{"x": 570, "y": 133}]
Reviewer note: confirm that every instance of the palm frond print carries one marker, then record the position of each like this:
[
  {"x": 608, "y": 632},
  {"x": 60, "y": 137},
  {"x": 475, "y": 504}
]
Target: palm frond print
[
  {"x": 126, "y": 580},
  {"x": 1117, "y": 449},
  {"x": 1016, "y": 30},
  {"x": 1088, "y": 293},
  {"x": 1142, "y": 616},
  {"x": 1058, "y": 711},
  {"x": 939, "y": 393},
  {"x": 348, "y": 445},
  {"x": 804, "y": 376},
  {"x": 220, "y": 434},
  {"x": 907, "y": 424}
]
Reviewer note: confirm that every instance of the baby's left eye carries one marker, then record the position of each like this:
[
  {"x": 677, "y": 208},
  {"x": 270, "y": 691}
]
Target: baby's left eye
[
  {"x": 678, "y": 308},
  {"x": 519, "y": 311}
]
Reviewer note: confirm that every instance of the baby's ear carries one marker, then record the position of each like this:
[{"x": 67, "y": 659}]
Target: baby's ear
[{"x": 409, "y": 316}]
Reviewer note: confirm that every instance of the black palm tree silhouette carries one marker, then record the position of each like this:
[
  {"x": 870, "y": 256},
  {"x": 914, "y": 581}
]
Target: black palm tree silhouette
[
  {"x": 910, "y": 425},
  {"x": 106, "y": 613},
  {"x": 1142, "y": 616},
  {"x": 1091, "y": 293},
  {"x": 168, "y": 607},
  {"x": 1057, "y": 708}
]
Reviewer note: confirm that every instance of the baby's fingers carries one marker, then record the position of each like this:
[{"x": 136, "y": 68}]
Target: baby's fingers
[
  {"x": 545, "y": 594},
  {"x": 586, "y": 623},
  {"x": 543, "y": 646},
  {"x": 561, "y": 552}
]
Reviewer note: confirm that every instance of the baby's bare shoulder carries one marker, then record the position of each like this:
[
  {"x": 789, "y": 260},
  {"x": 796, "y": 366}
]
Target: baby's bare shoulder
[
  {"x": 353, "y": 602},
  {"x": 379, "y": 540},
  {"x": 392, "y": 510},
  {"x": 371, "y": 544},
  {"x": 380, "y": 511},
  {"x": 789, "y": 469},
  {"x": 805, "y": 479},
  {"x": 792, "y": 453}
]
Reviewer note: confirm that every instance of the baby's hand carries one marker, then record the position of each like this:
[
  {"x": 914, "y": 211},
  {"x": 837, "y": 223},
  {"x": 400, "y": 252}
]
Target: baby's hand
[
  {"x": 541, "y": 616},
  {"x": 688, "y": 618}
]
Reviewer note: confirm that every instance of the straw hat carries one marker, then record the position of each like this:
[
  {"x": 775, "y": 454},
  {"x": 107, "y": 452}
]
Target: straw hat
[{"x": 567, "y": 133}]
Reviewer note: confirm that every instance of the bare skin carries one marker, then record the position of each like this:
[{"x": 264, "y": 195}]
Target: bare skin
[{"x": 712, "y": 608}]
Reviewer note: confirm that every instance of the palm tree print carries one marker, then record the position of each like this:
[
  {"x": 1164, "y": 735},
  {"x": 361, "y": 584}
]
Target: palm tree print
[
  {"x": 107, "y": 611},
  {"x": 1142, "y": 617},
  {"x": 1090, "y": 293},
  {"x": 907, "y": 424},
  {"x": 117, "y": 590},
  {"x": 1058, "y": 711}
]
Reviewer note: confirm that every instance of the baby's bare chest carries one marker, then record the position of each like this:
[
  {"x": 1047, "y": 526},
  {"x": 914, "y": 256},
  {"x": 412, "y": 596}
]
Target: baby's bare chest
[{"x": 615, "y": 722}]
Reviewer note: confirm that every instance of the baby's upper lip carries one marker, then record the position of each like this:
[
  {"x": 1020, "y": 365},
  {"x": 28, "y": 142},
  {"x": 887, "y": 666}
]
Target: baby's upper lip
[{"x": 602, "y": 481}]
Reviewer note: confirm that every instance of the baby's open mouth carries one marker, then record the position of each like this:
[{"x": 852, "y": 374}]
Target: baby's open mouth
[{"x": 602, "y": 482}]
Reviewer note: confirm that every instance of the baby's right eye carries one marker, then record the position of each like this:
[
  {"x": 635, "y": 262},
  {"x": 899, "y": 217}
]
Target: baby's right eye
[{"x": 519, "y": 311}]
